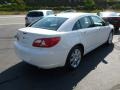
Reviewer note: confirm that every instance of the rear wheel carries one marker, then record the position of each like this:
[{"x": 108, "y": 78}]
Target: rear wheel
[{"x": 74, "y": 58}]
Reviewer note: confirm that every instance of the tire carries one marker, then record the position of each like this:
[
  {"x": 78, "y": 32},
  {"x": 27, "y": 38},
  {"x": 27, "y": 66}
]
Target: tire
[
  {"x": 74, "y": 58},
  {"x": 110, "y": 38}
]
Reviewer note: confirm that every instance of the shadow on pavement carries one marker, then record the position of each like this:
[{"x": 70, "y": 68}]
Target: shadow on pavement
[{"x": 25, "y": 77}]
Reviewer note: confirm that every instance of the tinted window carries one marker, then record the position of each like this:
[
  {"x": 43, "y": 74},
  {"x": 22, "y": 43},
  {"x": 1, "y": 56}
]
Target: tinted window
[
  {"x": 50, "y": 23},
  {"x": 85, "y": 22},
  {"x": 97, "y": 21},
  {"x": 77, "y": 26},
  {"x": 35, "y": 14}
]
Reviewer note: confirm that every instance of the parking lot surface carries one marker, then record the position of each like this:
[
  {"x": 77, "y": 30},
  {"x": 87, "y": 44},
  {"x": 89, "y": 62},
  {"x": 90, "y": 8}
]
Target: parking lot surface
[{"x": 100, "y": 69}]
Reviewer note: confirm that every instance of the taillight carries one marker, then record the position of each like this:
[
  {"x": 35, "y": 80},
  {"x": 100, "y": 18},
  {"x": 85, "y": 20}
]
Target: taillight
[{"x": 46, "y": 42}]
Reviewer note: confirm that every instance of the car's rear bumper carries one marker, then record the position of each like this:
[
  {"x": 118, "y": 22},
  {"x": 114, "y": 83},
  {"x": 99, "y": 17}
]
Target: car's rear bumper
[{"x": 41, "y": 58}]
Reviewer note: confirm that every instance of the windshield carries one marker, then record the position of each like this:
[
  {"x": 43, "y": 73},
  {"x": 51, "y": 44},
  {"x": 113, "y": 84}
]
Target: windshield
[
  {"x": 50, "y": 23},
  {"x": 108, "y": 14},
  {"x": 35, "y": 14}
]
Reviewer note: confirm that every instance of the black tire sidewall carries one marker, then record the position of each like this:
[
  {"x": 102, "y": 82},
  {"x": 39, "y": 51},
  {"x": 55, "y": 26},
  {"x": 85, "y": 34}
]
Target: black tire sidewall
[
  {"x": 109, "y": 37},
  {"x": 68, "y": 65}
]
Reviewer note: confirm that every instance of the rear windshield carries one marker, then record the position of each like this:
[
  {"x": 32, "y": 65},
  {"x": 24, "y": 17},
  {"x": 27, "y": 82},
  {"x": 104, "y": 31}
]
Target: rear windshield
[
  {"x": 50, "y": 23},
  {"x": 35, "y": 14}
]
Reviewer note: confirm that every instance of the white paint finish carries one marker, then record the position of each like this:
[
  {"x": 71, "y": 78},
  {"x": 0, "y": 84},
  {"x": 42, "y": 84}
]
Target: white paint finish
[
  {"x": 11, "y": 24},
  {"x": 11, "y": 16},
  {"x": 56, "y": 56}
]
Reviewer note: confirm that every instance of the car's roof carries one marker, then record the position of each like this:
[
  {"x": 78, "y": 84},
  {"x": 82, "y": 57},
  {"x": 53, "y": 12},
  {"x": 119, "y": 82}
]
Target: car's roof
[
  {"x": 39, "y": 10},
  {"x": 70, "y": 14}
]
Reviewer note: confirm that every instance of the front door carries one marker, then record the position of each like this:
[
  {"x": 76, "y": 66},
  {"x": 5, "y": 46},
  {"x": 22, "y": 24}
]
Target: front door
[{"x": 90, "y": 33}]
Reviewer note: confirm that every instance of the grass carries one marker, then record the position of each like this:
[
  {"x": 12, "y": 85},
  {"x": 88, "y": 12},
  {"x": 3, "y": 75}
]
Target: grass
[{"x": 12, "y": 12}]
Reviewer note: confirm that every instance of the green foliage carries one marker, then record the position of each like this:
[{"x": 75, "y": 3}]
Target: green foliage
[
  {"x": 116, "y": 6},
  {"x": 16, "y": 1},
  {"x": 90, "y": 4},
  {"x": 13, "y": 7},
  {"x": 110, "y": 0},
  {"x": 23, "y": 5}
]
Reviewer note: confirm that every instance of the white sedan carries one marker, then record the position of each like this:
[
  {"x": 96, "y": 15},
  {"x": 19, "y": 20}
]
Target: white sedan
[{"x": 62, "y": 39}]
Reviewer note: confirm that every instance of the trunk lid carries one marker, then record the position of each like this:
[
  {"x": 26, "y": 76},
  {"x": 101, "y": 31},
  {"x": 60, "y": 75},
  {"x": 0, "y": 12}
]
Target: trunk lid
[{"x": 26, "y": 36}]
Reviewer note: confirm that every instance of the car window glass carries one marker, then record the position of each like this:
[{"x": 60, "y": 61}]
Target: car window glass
[
  {"x": 85, "y": 22},
  {"x": 76, "y": 26},
  {"x": 35, "y": 14},
  {"x": 97, "y": 21},
  {"x": 49, "y": 23}
]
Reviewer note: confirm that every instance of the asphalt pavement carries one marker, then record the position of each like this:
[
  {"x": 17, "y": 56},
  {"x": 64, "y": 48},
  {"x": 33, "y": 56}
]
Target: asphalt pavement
[{"x": 99, "y": 70}]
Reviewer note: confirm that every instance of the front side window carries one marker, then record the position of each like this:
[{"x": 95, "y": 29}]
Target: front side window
[
  {"x": 85, "y": 22},
  {"x": 97, "y": 21},
  {"x": 50, "y": 23}
]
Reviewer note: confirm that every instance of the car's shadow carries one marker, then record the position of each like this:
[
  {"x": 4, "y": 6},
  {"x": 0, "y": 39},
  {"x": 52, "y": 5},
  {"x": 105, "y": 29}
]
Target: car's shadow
[{"x": 25, "y": 77}]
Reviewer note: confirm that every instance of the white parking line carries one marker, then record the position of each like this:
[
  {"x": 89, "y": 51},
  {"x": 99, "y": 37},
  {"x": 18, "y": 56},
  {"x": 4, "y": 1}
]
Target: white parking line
[
  {"x": 12, "y": 16},
  {"x": 12, "y": 24}
]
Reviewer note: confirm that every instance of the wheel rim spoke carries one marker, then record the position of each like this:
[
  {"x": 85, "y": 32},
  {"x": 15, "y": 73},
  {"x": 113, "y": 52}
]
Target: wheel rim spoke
[{"x": 75, "y": 58}]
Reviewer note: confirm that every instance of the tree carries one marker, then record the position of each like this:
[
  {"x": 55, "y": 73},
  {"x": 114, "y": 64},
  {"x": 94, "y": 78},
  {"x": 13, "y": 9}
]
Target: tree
[
  {"x": 18, "y": 1},
  {"x": 110, "y": 0},
  {"x": 89, "y": 4}
]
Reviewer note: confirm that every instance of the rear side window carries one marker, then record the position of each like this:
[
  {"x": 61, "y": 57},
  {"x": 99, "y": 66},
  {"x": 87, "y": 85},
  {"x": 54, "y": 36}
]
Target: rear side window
[
  {"x": 50, "y": 23},
  {"x": 85, "y": 22},
  {"x": 35, "y": 14},
  {"x": 77, "y": 25}
]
